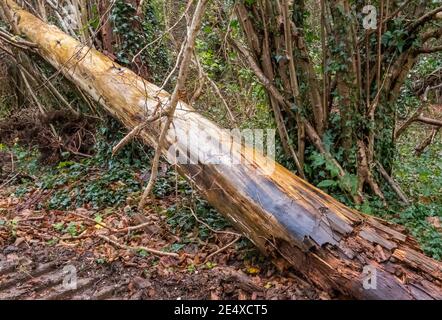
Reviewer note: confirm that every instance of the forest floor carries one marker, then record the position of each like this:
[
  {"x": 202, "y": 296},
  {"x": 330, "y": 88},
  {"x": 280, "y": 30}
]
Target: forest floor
[{"x": 38, "y": 248}]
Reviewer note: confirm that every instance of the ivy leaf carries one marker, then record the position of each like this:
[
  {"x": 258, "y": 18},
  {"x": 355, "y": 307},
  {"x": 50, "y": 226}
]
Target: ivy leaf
[
  {"x": 332, "y": 168},
  {"x": 318, "y": 160},
  {"x": 365, "y": 208},
  {"x": 327, "y": 183},
  {"x": 98, "y": 218},
  {"x": 234, "y": 24},
  {"x": 349, "y": 183}
]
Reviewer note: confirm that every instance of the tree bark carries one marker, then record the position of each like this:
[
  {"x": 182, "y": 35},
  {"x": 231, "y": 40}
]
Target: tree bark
[
  {"x": 285, "y": 217},
  {"x": 106, "y": 28}
]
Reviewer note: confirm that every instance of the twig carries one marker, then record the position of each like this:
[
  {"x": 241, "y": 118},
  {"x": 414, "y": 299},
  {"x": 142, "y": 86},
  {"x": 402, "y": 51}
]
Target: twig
[
  {"x": 8, "y": 181},
  {"x": 430, "y": 49},
  {"x": 128, "y": 138},
  {"x": 393, "y": 184},
  {"x": 136, "y": 131},
  {"x": 31, "y": 92},
  {"x": 133, "y": 228},
  {"x": 177, "y": 63},
  {"x": 222, "y": 249},
  {"x": 112, "y": 230},
  {"x": 140, "y": 7},
  {"x": 417, "y": 116},
  {"x": 57, "y": 94},
  {"x": 16, "y": 41},
  {"x": 423, "y": 19},
  {"x": 93, "y": 221},
  {"x": 182, "y": 75},
  {"x": 215, "y": 87},
  {"x": 433, "y": 122},
  {"x": 12, "y": 162},
  {"x": 210, "y": 228},
  {"x": 150, "y": 250}
]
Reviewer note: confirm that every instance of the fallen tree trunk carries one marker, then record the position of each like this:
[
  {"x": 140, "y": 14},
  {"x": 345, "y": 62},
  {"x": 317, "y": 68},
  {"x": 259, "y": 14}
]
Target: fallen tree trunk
[{"x": 337, "y": 248}]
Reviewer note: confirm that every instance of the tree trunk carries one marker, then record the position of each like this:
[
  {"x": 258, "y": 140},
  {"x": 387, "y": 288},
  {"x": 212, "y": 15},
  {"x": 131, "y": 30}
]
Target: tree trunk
[
  {"x": 285, "y": 217},
  {"x": 106, "y": 28}
]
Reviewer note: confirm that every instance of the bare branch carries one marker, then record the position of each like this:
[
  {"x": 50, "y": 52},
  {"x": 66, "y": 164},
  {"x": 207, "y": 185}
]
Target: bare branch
[
  {"x": 429, "y": 50},
  {"x": 433, "y": 122},
  {"x": 222, "y": 249},
  {"x": 427, "y": 141},
  {"x": 393, "y": 184},
  {"x": 16, "y": 41},
  {"x": 182, "y": 75},
  {"x": 425, "y": 18},
  {"x": 150, "y": 250},
  {"x": 215, "y": 87},
  {"x": 164, "y": 33}
]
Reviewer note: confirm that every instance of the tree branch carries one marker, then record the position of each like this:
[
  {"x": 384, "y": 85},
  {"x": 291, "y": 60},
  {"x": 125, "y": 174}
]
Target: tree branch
[
  {"x": 181, "y": 80},
  {"x": 16, "y": 41},
  {"x": 427, "y": 141},
  {"x": 429, "y": 50},
  {"x": 433, "y": 122},
  {"x": 423, "y": 19},
  {"x": 393, "y": 184}
]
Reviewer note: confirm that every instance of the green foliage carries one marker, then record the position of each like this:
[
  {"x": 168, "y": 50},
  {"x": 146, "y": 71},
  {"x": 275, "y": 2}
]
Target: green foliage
[
  {"x": 11, "y": 226},
  {"x": 108, "y": 181},
  {"x": 415, "y": 219},
  {"x": 421, "y": 177},
  {"x": 245, "y": 95},
  {"x": 326, "y": 175},
  {"x": 133, "y": 38},
  {"x": 213, "y": 64},
  {"x": 72, "y": 228},
  {"x": 100, "y": 181},
  {"x": 26, "y": 159},
  {"x": 4, "y": 106}
]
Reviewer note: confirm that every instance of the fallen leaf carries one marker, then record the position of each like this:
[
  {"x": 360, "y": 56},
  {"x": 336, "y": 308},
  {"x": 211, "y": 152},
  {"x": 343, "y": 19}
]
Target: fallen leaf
[
  {"x": 214, "y": 296},
  {"x": 253, "y": 270}
]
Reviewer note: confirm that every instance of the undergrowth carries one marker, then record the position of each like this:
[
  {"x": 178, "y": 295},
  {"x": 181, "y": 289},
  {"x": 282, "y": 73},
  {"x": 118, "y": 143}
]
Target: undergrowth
[
  {"x": 421, "y": 178},
  {"x": 105, "y": 182}
]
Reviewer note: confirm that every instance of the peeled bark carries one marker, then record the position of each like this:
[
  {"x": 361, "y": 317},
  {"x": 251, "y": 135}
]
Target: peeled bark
[{"x": 284, "y": 216}]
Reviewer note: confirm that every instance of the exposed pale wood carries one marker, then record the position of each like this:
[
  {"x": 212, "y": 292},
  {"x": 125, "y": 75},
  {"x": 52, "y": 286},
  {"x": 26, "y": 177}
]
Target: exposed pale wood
[{"x": 284, "y": 216}]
